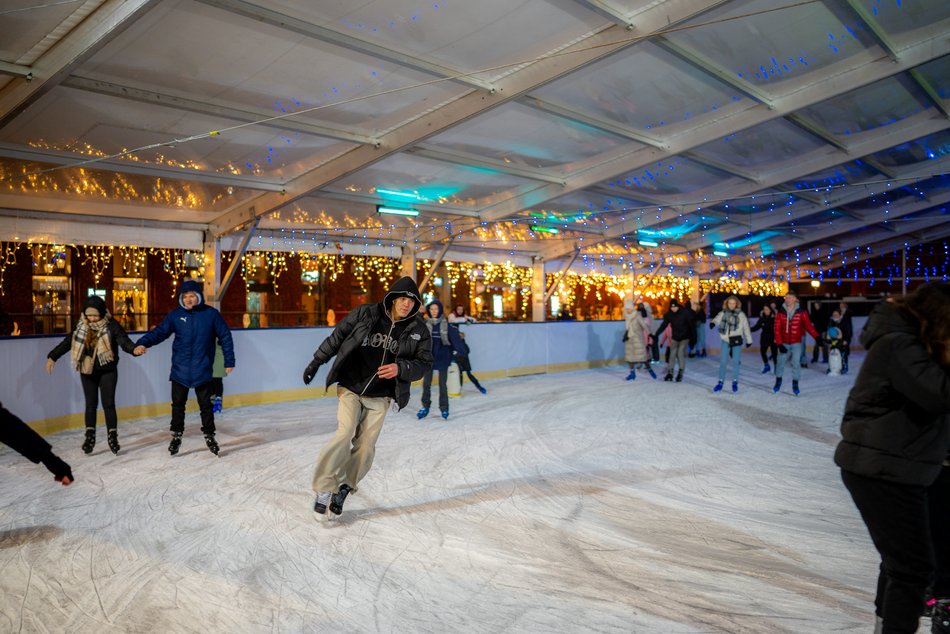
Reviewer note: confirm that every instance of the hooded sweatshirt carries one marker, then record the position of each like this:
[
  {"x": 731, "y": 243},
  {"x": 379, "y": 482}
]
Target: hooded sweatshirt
[
  {"x": 196, "y": 331},
  {"x": 896, "y": 423},
  {"x": 368, "y": 337}
]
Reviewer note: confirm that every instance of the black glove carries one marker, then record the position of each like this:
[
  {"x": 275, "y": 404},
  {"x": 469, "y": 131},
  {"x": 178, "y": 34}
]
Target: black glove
[
  {"x": 782, "y": 348},
  {"x": 712, "y": 326},
  {"x": 626, "y": 336},
  {"x": 311, "y": 371}
]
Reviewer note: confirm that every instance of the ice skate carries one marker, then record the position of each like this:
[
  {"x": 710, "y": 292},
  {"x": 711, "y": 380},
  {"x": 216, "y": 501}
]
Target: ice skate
[
  {"x": 216, "y": 405},
  {"x": 321, "y": 503},
  {"x": 337, "y": 499},
  {"x": 175, "y": 444},
  {"x": 422, "y": 413},
  {"x": 668, "y": 377},
  {"x": 114, "y": 441},
  {"x": 718, "y": 387},
  {"x": 632, "y": 376},
  {"x": 212, "y": 444},
  {"x": 778, "y": 385},
  {"x": 445, "y": 414},
  {"x": 90, "y": 442},
  {"x": 766, "y": 368},
  {"x": 482, "y": 390},
  {"x": 795, "y": 389},
  {"x": 652, "y": 373},
  {"x": 735, "y": 387},
  {"x": 679, "y": 376}
]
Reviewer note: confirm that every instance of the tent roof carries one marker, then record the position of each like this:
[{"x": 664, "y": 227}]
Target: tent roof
[{"x": 758, "y": 127}]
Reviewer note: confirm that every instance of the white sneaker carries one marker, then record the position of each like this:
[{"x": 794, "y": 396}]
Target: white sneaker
[{"x": 323, "y": 501}]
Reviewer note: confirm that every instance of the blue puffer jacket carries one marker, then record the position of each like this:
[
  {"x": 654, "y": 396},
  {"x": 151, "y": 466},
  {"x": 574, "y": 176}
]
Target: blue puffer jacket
[{"x": 195, "y": 333}]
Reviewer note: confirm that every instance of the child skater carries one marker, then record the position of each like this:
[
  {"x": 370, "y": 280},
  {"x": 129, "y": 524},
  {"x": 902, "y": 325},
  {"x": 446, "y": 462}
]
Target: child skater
[{"x": 465, "y": 365}]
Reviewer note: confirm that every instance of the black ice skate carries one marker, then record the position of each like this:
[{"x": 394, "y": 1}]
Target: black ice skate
[
  {"x": 114, "y": 441},
  {"x": 940, "y": 616},
  {"x": 320, "y": 505},
  {"x": 679, "y": 376},
  {"x": 212, "y": 444},
  {"x": 90, "y": 442},
  {"x": 175, "y": 444},
  {"x": 337, "y": 499}
]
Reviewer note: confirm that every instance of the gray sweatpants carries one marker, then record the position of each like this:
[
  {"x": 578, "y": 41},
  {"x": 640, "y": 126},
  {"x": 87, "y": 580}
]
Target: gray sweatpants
[{"x": 677, "y": 355}]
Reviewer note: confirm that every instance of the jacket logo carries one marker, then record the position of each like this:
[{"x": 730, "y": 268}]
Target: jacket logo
[
  {"x": 185, "y": 319},
  {"x": 415, "y": 336}
]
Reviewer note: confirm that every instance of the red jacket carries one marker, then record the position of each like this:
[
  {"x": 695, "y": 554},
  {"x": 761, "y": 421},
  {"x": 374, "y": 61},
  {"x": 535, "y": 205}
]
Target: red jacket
[{"x": 788, "y": 331}]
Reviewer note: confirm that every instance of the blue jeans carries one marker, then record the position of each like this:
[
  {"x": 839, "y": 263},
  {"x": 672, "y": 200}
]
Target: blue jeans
[
  {"x": 795, "y": 353},
  {"x": 725, "y": 359}
]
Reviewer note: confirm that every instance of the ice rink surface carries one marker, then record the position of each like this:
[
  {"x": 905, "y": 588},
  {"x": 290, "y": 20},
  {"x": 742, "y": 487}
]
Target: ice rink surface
[{"x": 572, "y": 502}]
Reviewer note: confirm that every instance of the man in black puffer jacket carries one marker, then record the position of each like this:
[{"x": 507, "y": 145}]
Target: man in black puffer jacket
[
  {"x": 895, "y": 439},
  {"x": 380, "y": 350}
]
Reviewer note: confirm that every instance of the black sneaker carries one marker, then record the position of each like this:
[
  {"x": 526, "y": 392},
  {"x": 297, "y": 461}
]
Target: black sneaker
[
  {"x": 90, "y": 442},
  {"x": 114, "y": 441},
  {"x": 175, "y": 444},
  {"x": 337, "y": 500},
  {"x": 212, "y": 444}
]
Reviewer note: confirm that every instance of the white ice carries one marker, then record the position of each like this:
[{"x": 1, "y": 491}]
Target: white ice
[{"x": 571, "y": 502}]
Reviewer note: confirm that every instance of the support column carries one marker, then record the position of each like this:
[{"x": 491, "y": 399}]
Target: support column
[
  {"x": 409, "y": 262},
  {"x": 537, "y": 289},
  {"x": 212, "y": 270}
]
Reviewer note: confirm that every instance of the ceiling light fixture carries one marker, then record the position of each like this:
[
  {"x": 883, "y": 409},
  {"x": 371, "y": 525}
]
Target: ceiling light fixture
[{"x": 395, "y": 211}]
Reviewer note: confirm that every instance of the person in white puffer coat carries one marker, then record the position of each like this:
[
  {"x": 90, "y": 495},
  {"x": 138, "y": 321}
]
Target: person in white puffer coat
[{"x": 734, "y": 331}]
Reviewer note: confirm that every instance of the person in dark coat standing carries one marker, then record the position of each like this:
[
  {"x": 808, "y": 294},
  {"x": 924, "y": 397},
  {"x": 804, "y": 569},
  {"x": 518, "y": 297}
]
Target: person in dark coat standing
[
  {"x": 380, "y": 350},
  {"x": 445, "y": 342},
  {"x": 23, "y": 439},
  {"x": 197, "y": 327},
  {"x": 94, "y": 353},
  {"x": 462, "y": 360},
  {"x": 683, "y": 329},
  {"x": 895, "y": 442},
  {"x": 767, "y": 348}
]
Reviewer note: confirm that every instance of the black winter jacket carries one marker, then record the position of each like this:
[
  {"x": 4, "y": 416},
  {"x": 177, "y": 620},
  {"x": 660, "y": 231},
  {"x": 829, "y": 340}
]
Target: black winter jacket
[
  {"x": 766, "y": 324},
  {"x": 415, "y": 344},
  {"x": 119, "y": 339},
  {"x": 896, "y": 423},
  {"x": 683, "y": 325}
]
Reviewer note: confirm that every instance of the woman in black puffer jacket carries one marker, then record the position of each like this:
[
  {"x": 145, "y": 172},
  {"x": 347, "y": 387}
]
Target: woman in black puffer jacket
[
  {"x": 94, "y": 353},
  {"x": 895, "y": 440}
]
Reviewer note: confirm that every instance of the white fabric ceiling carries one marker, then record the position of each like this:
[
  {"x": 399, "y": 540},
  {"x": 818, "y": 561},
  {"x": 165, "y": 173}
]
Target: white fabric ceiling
[{"x": 787, "y": 130}]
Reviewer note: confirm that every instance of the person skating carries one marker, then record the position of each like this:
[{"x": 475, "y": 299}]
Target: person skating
[
  {"x": 683, "y": 332},
  {"x": 445, "y": 342},
  {"x": 791, "y": 324},
  {"x": 894, "y": 448},
  {"x": 462, "y": 360},
  {"x": 734, "y": 331},
  {"x": 767, "y": 348},
  {"x": 636, "y": 337},
  {"x": 380, "y": 350},
  {"x": 94, "y": 353},
  {"x": 23, "y": 439},
  {"x": 197, "y": 327}
]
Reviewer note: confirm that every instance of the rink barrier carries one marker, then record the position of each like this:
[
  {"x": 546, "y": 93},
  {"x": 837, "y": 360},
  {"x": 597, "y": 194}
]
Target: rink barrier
[{"x": 275, "y": 358}]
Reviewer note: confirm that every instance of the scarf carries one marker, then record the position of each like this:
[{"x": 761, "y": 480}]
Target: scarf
[
  {"x": 99, "y": 345},
  {"x": 437, "y": 322},
  {"x": 729, "y": 321}
]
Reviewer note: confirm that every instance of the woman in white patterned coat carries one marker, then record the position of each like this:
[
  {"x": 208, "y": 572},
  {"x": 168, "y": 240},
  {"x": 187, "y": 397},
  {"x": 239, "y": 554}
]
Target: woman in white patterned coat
[{"x": 636, "y": 338}]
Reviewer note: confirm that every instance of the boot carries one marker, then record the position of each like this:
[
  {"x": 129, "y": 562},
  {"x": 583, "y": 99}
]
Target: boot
[
  {"x": 174, "y": 445},
  {"x": 652, "y": 373},
  {"x": 114, "y": 441},
  {"x": 735, "y": 387},
  {"x": 679, "y": 376},
  {"x": 795, "y": 389},
  {"x": 668, "y": 377},
  {"x": 422, "y": 413},
  {"x": 212, "y": 443},
  {"x": 90, "y": 442},
  {"x": 778, "y": 385},
  {"x": 337, "y": 499},
  {"x": 632, "y": 376},
  {"x": 718, "y": 387},
  {"x": 323, "y": 500},
  {"x": 766, "y": 368}
]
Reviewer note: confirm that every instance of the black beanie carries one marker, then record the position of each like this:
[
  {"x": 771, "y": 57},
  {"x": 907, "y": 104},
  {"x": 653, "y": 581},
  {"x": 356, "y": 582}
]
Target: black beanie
[
  {"x": 673, "y": 303},
  {"x": 97, "y": 303}
]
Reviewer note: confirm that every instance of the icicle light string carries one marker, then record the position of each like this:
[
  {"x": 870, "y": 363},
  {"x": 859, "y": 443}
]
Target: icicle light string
[{"x": 512, "y": 65}]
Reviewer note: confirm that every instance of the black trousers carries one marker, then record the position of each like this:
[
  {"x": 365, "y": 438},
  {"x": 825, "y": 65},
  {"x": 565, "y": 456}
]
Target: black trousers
[
  {"x": 471, "y": 377},
  {"x": 92, "y": 386},
  {"x": 443, "y": 389},
  {"x": 24, "y": 440},
  {"x": 938, "y": 503},
  {"x": 180, "y": 397},
  {"x": 898, "y": 519},
  {"x": 768, "y": 350}
]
